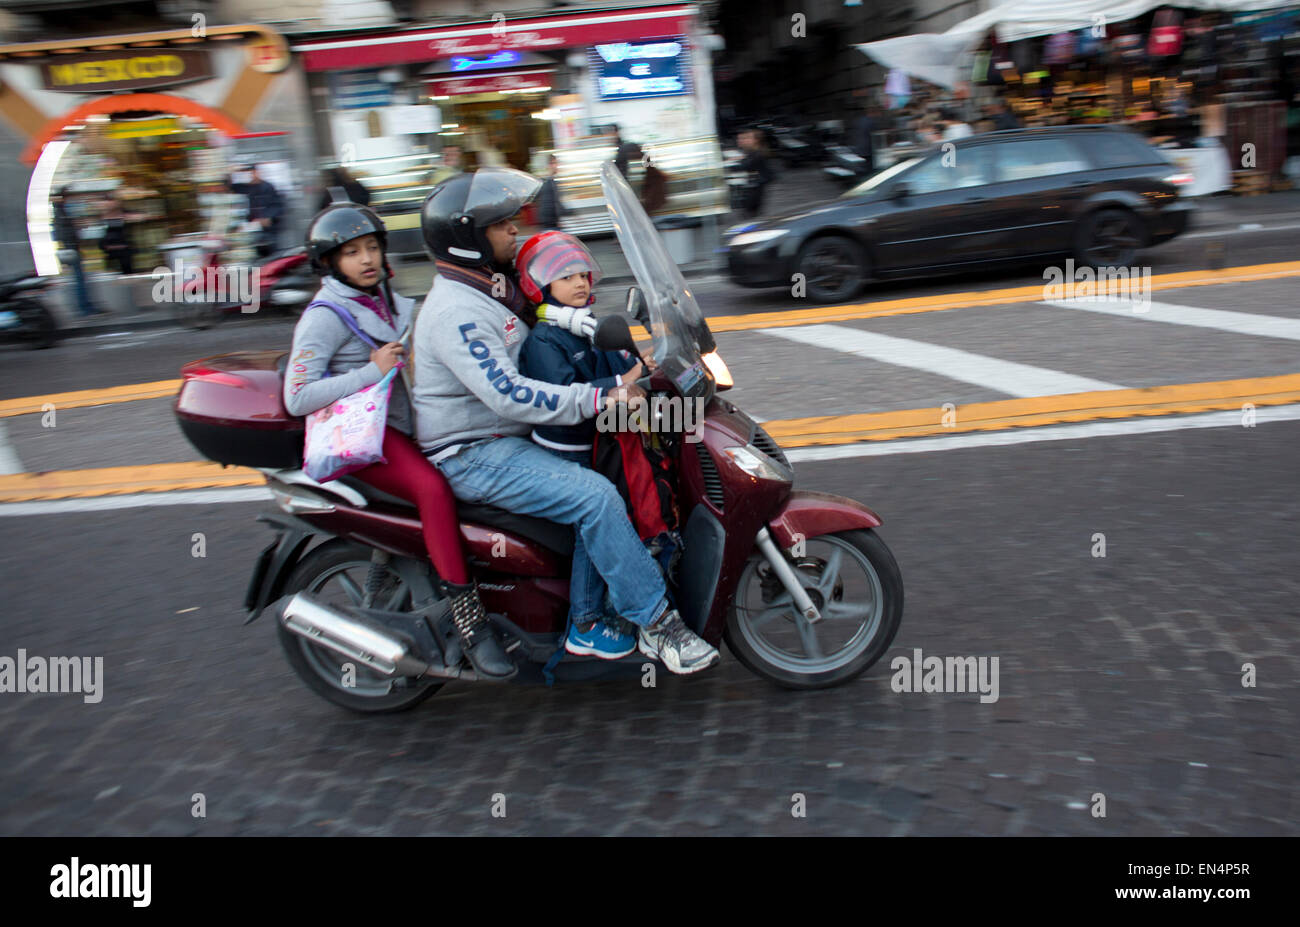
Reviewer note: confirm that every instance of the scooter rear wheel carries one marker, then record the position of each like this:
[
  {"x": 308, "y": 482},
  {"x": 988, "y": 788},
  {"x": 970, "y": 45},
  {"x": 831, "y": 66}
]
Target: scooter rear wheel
[
  {"x": 855, "y": 583},
  {"x": 335, "y": 572}
]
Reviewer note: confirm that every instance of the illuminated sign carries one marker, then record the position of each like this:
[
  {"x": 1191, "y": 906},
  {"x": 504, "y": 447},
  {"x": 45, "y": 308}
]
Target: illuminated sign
[
  {"x": 108, "y": 71},
  {"x": 500, "y": 59},
  {"x": 628, "y": 70}
]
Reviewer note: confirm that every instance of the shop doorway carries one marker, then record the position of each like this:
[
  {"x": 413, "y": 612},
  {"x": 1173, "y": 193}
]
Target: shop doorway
[{"x": 483, "y": 124}]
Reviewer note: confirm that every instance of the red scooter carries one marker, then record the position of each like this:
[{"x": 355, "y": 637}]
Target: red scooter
[{"x": 799, "y": 584}]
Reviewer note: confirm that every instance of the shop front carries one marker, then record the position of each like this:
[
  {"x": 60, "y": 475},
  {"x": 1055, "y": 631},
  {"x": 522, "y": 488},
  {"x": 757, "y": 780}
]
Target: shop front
[
  {"x": 1214, "y": 87},
  {"x": 514, "y": 92},
  {"x": 137, "y": 137}
]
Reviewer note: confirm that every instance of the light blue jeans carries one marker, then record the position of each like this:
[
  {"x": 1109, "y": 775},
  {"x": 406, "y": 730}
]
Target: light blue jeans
[{"x": 519, "y": 476}]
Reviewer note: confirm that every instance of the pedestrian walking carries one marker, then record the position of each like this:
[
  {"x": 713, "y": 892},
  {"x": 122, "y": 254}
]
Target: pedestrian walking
[{"x": 65, "y": 233}]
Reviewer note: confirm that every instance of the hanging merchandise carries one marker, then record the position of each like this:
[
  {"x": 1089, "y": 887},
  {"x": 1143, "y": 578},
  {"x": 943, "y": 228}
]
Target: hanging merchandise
[
  {"x": 898, "y": 87},
  {"x": 1166, "y": 33},
  {"x": 1129, "y": 46},
  {"x": 1090, "y": 43},
  {"x": 979, "y": 72},
  {"x": 1059, "y": 48}
]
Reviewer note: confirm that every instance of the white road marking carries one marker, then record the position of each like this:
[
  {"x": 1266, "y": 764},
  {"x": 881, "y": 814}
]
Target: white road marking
[
  {"x": 1004, "y": 376},
  {"x": 1229, "y": 418},
  {"x": 9, "y": 462},
  {"x": 1239, "y": 323},
  {"x": 137, "y": 500}
]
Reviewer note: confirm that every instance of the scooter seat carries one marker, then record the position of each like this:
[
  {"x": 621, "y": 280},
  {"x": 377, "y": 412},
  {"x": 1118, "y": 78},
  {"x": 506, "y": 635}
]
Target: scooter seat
[{"x": 554, "y": 537}]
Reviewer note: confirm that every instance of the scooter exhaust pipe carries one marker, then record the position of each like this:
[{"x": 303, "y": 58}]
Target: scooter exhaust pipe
[{"x": 370, "y": 647}]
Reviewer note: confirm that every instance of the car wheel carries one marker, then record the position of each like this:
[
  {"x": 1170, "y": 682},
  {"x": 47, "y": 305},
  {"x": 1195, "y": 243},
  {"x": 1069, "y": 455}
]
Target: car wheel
[
  {"x": 833, "y": 268},
  {"x": 1108, "y": 238}
]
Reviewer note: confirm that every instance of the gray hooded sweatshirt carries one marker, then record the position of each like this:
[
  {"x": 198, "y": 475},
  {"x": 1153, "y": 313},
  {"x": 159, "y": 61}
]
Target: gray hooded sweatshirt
[
  {"x": 323, "y": 342},
  {"x": 467, "y": 381}
]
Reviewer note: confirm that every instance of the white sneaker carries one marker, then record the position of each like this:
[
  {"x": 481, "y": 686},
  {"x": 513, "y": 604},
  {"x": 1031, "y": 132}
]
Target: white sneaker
[{"x": 680, "y": 648}]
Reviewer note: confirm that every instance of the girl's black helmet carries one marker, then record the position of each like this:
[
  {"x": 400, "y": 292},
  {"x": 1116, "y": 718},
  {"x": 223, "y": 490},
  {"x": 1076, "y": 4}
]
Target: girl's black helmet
[
  {"x": 336, "y": 225},
  {"x": 458, "y": 211}
]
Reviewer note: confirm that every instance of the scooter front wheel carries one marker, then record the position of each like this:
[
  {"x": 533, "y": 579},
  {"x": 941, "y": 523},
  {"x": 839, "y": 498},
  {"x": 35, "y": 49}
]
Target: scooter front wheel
[
  {"x": 335, "y": 573},
  {"x": 856, "y": 585}
]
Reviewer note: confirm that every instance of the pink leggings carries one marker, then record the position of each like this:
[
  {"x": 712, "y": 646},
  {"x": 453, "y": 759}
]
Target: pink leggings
[{"x": 408, "y": 475}]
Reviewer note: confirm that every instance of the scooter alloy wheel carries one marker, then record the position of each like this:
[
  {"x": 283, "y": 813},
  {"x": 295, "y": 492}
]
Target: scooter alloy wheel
[
  {"x": 335, "y": 572},
  {"x": 855, "y": 583}
]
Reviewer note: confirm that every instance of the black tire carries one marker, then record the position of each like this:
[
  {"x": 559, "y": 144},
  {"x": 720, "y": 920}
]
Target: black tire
[
  {"x": 758, "y": 659},
  {"x": 310, "y": 661},
  {"x": 833, "y": 268},
  {"x": 42, "y": 325},
  {"x": 1108, "y": 238}
]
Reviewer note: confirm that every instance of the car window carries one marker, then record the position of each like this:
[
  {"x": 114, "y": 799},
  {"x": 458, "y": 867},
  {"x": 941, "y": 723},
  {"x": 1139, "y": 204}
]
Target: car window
[
  {"x": 1038, "y": 157},
  {"x": 1117, "y": 149},
  {"x": 954, "y": 169}
]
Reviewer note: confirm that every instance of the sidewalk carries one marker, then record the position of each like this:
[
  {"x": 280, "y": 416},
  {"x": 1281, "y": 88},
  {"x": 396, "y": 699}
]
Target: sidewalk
[{"x": 793, "y": 189}]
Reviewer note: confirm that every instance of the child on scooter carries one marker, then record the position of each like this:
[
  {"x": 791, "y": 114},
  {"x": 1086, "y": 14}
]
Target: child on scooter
[
  {"x": 559, "y": 273},
  {"x": 330, "y": 360}
]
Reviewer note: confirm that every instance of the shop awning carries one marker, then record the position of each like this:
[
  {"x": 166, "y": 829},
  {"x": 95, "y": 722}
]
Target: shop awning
[
  {"x": 576, "y": 30},
  {"x": 936, "y": 57}
]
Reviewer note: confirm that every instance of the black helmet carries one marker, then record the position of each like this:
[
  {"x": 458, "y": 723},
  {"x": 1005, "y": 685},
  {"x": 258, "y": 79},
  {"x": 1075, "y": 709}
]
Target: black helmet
[
  {"x": 336, "y": 225},
  {"x": 458, "y": 211}
]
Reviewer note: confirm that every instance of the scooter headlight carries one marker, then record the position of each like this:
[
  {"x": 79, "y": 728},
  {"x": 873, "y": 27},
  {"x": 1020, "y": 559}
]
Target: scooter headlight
[
  {"x": 757, "y": 464},
  {"x": 718, "y": 367}
]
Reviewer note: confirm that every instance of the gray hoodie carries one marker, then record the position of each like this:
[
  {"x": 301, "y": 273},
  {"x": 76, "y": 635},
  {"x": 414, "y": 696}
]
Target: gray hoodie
[
  {"x": 467, "y": 381},
  {"x": 322, "y": 341}
]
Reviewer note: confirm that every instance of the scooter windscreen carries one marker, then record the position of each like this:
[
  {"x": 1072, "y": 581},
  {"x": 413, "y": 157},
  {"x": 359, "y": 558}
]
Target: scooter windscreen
[{"x": 677, "y": 325}]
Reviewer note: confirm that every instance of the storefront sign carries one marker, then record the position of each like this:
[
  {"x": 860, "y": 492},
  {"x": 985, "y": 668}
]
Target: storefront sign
[
  {"x": 502, "y": 59},
  {"x": 450, "y": 87},
  {"x": 579, "y": 30},
  {"x": 102, "y": 72},
  {"x": 359, "y": 90},
  {"x": 626, "y": 70}
]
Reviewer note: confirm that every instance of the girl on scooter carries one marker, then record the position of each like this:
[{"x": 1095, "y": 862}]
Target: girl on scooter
[{"x": 347, "y": 244}]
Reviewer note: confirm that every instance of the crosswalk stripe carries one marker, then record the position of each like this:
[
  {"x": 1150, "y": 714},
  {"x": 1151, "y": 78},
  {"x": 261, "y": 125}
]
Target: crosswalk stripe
[
  {"x": 990, "y": 372},
  {"x": 1239, "y": 323}
]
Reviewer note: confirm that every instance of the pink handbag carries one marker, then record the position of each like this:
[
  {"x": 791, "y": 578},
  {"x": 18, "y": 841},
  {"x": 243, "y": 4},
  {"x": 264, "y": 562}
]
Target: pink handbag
[{"x": 348, "y": 434}]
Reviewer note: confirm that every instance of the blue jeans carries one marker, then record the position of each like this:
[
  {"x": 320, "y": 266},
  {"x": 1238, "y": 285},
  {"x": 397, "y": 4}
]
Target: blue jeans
[
  {"x": 84, "y": 305},
  {"x": 586, "y": 588},
  {"x": 519, "y": 476}
]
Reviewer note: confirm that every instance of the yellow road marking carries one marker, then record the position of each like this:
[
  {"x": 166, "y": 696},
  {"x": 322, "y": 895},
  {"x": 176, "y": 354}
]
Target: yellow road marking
[
  {"x": 115, "y": 481},
  {"x": 734, "y": 323},
  {"x": 791, "y": 433},
  {"x": 89, "y": 397},
  {"x": 1036, "y": 411}
]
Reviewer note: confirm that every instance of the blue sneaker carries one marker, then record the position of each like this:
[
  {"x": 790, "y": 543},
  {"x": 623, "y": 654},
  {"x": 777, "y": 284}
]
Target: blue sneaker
[{"x": 599, "y": 640}]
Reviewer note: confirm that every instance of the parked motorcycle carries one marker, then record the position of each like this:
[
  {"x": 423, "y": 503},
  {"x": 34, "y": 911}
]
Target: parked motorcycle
[
  {"x": 24, "y": 316},
  {"x": 798, "y": 583},
  {"x": 284, "y": 280}
]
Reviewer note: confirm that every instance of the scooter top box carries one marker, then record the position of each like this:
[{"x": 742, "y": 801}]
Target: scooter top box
[{"x": 231, "y": 408}]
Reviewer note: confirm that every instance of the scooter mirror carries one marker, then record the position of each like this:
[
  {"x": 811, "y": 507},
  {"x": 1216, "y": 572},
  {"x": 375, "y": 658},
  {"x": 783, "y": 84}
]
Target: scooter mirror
[
  {"x": 612, "y": 334},
  {"x": 637, "y": 308}
]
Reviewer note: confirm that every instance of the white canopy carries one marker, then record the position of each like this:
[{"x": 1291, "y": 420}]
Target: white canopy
[{"x": 936, "y": 57}]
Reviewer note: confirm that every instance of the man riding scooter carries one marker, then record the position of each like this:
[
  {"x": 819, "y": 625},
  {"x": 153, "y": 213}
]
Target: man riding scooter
[{"x": 474, "y": 410}]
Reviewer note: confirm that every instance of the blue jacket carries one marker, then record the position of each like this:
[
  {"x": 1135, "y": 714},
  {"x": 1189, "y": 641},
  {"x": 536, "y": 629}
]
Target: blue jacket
[{"x": 556, "y": 355}]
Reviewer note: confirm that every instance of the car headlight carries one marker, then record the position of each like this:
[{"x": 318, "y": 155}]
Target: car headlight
[
  {"x": 753, "y": 238},
  {"x": 757, "y": 464}
]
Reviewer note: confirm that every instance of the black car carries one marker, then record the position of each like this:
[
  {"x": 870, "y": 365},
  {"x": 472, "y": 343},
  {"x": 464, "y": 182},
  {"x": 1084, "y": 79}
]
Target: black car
[{"x": 1097, "y": 192}]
